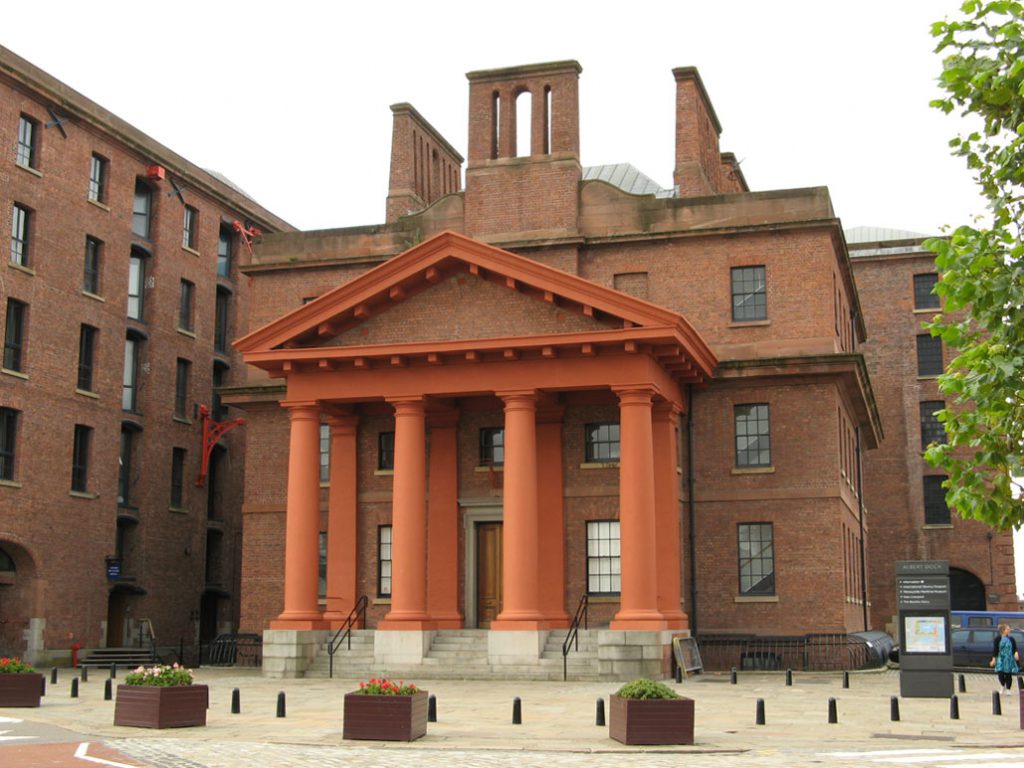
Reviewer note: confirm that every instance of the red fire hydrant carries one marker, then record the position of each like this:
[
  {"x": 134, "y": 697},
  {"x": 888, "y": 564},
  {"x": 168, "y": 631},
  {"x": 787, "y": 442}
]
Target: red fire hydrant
[{"x": 75, "y": 648}]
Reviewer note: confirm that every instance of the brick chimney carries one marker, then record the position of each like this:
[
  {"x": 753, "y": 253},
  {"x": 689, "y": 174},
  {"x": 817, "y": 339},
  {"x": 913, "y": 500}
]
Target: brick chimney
[
  {"x": 701, "y": 168},
  {"x": 424, "y": 167}
]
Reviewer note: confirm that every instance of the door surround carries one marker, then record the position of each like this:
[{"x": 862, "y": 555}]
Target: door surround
[{"x": 472, "y": 514}]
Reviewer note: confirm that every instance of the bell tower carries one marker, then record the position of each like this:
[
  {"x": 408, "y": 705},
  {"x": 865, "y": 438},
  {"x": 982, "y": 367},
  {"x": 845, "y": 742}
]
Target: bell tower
[{"x": 518, "y": 190}]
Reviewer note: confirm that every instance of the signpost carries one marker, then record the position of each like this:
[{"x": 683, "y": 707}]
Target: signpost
[{"x": 926, "y": 650}]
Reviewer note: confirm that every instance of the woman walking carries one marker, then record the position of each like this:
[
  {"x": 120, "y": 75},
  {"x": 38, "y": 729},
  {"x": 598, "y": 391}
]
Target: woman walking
[{"x": 1005, "y": 658}]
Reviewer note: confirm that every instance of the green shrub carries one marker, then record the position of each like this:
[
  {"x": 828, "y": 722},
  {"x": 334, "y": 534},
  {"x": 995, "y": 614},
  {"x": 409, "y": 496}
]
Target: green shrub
[{"x": 646, "y": 689}]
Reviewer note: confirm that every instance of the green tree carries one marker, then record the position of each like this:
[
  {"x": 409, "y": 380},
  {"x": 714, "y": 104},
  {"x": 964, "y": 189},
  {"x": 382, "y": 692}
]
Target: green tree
[{"x": 982, "y": 267}]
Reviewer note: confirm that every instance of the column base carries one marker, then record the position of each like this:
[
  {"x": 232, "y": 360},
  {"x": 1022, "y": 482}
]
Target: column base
[
  {"x": 299, "y": 624},
  {"x": 676, "y": 619},
  {"x": 521, "y": 625},
  {"x": 639, "y": 619},
  {"x": 411, "y": 625},
  {"x": 447, "y": 620}
]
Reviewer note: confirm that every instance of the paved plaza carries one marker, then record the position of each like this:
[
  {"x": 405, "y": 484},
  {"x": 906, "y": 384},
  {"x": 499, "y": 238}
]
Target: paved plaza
[{"x": 474, "y": 726}]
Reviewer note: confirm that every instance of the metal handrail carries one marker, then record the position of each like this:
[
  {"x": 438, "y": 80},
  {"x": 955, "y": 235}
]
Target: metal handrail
[
  {"x": 345, "y": 632},
  {"x": 573, "y": 637}
]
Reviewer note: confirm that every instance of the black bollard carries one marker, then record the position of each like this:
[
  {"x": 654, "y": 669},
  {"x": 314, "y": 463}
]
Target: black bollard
[
  {"x": 954, "y": 707},
  {"x": 833, "y": 713},
  {"x": 280, "y": 704},
  {"x": 732, "y": 676},
  {"x": 42, "y": 685},
  {"x": 599, "y": 720},
  {"x": 113, "y": 671},
  {"x": 517, "y": 711},
  {"x": 962, "y": 687},
  {"x": 236, "y": 701},
  {"x": 432, "y": 709},
  {"x": 759, "y": 718},
  {"x": 997, "y": 705},
  {"x": 679, "y": 674},
  {"x": 894, "y": 708},
  {"x": 85, "y": 674},
  {"x": 846, "y": 679},
  {"x": 1020, "y": 682},
  {"x": 53, "y": 676},
  {"x": 74, "y": 688},
  {"x": 107, "y": 692},
  {"x": 789, "y": 677}
]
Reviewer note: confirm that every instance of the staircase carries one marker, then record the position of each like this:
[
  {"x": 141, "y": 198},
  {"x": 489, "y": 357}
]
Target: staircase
[
  {"x": 581, "y": 664},
  {"x": 125, "y": 658},
  {"x": 354, "y": 664}
]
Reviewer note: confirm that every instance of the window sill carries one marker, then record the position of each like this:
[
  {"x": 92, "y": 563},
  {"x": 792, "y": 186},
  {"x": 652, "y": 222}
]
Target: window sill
[
  {"x": 193, "y": 251},
  {"x": 21, "y": 268},
  {"x": 182, "y": 420},
  {"x": 83, "y": 495},
  {"x": 927, "y": 311},
  {"x": 753, "y": 470},
  {"x": 489, "y": 468},
  {"x": 178, "y": 510},
  {"x": 29, "y": 169},
  {"x": 383, "y": 472},
  {"x": 102, "y": 206},
  {"x": 325, "y": 483},
  {"x": 604, "y": 599},
  {"x": 382, "y": 601},
  {"x": 93, "y": 296},
  {"x": 937, "y": 527},
  {"x": 929, "y": 377},
  {"x": 186, "y": 332},
  {"x": 756, "y": 599},
  {"x": 15, "y": 374},
  {"x": 9, "y": 484},
  {"x": 87, "y": 393},
  {"x": 749, "y": 324},
  {"x": 599, "y": 465}
]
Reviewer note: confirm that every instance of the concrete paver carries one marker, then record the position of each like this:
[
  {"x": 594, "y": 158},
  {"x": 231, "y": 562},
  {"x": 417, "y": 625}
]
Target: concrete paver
[{"x": 475, "y": 725}]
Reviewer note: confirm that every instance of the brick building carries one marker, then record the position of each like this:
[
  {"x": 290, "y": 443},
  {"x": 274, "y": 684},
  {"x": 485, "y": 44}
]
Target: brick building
[
  {"x": 120, "y": 293},
  {"x": 656, "y": 398}
]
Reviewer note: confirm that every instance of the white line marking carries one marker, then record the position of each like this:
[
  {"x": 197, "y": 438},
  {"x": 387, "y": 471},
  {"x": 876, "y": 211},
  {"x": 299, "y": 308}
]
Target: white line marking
[
  {"x": 922, "y": 758},
  {"x": 80, "y": 753},
  {"x": 9, "y": 720},
  {"x": 887, "y": 752}
]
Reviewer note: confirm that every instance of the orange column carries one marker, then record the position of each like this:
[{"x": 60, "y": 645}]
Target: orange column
[
  {"x": 302, "y": 523},
  {"x": 409, "y": 520},
  {"x": 639, "y": 595},
  {"x": 341, "y": 521},
  {"x": 550, "y": 499},
  {"x": 521, "y": 598},
  {"x": 443, "y": 523},
  {"x": 666, "y": 513}
]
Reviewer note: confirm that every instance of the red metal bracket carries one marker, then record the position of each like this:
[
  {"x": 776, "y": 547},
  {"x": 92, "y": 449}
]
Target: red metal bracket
[
  {"x": 246, "y": 233},
  {"x": 212, "y": 432}
]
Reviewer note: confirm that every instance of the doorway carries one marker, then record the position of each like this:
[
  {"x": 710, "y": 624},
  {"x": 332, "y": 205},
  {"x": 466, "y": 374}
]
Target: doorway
[
  {"x": 488, "y": 572},
  {"x": 116, "y": 609}
]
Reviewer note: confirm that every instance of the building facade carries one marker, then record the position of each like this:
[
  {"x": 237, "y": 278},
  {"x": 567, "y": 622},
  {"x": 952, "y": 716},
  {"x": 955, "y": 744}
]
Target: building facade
[{"x": 121, "y": 293}]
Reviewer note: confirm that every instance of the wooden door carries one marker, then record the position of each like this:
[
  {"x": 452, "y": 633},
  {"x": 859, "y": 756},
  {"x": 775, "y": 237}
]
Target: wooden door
[
  {"x": 115, "y": 619},
  {"x": 488, "y": 573}
]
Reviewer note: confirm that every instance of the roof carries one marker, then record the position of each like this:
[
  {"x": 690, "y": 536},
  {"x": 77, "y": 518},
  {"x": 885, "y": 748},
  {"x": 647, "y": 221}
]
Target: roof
[
  {"x": 880, "y": 235},
  {"x": 628, "y": 178}
]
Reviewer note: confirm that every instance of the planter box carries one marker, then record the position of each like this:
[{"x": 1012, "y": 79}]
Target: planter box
[
  {"x": 385, "y": 718},
  {"x": 21, "y": 690},
  {"x": 148, "y": 706},
  {"x": 651, "y": 721}
]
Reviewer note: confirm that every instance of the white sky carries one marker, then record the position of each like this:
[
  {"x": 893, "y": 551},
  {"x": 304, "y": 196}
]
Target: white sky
[{"x": 290, "y": 99}]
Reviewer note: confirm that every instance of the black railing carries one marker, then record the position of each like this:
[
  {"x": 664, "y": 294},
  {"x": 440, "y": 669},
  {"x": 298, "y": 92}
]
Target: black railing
[
  {"x": 818, "y": 652},
  {"x": 358, "y": 613},
  {"x": 572, "y": 639}
]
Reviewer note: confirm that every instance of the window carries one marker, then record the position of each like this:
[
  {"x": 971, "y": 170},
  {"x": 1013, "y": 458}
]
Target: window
[
  {"x": 325, "y": 453},
  {"x": 220, "y": 328},
  {"x": 124, "y": 468},
  {"x": 492, "y": 447},
  {"x": 177, "y": 478},
  {"x": 224, "y": 252},
  {"x": 98, "y": 179},
  {"x": 321, "y": 569},
  {"x": 86, "y": 357},
  {"x": 604, "y": 564},
  {"x": 91, "y": 273},
  {"x": 8, "y": 437},
  {"x": 929, "y": 355},
  {"x": 384, "y": 561},
  {"x": 20, "y": 220},
  {"x": 932, "y": 430},
  {"x": 936, "y": 512},
  {"x": 80, "y": 459},
  {"x": 602, "y": 443},
  {"x": 28, "y": 142},
  {"x": 142, "y": 210},
  {"x": 385, "y": 450},
  {"x": 136, "y": 284},
  {"x": 924, "y": 291},
  {"x": 190, "y": 228},
  {"x": 14, "y": 335},
  {"x": 218, "y": 409},
  {"x": 749, "y": 300},
  {"x": 185, "y": 306},
  {"x": 753, "y": 436},
  {"x": 181, "y": 378},
  {"x": 757, "y": 559},
  {"x": 130, "y": 385}
]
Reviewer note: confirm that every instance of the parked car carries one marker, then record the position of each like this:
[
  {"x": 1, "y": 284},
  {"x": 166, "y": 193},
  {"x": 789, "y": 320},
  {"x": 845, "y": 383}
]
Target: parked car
[{"x": 972, "y": 646}]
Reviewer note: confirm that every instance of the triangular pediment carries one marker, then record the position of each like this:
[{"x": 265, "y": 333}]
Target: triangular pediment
[{"x": 453, "y": 289}]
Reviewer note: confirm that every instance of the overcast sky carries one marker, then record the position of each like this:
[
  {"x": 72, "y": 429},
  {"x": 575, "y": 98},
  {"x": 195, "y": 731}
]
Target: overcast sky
[{"x": 290, "y": 99}]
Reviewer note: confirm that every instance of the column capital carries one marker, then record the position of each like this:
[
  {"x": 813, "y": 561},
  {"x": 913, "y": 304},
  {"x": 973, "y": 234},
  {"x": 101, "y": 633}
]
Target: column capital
[
  {"x": 343, "y": 424},
  {"x": 665, "y": 409},
  {"x": 635, "y": 394},
  {"x": 408, "y": 406},
  {"x": 517, "y": 394},
  {"x": 302, "y": 408}
]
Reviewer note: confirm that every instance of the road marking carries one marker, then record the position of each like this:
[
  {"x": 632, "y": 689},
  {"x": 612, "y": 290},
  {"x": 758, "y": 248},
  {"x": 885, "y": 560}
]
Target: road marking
[
  {"x": 80, "y": 753},
  {"x": 13, "y": 738},
  {"x": 9, "y": 720}
]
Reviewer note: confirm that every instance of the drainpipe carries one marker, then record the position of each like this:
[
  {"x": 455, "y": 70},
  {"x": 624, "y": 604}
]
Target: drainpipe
[
  {"x": 860, "y": 508},
  {"x": 691, "y": 509}
]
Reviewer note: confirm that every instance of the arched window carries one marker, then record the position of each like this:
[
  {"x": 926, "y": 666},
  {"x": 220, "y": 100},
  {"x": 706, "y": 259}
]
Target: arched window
[
  {"x": 6, "y": 562},
  {"x": 524, "y": 113}
]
